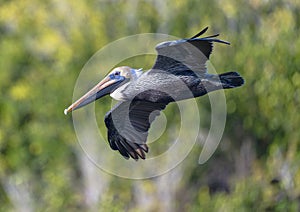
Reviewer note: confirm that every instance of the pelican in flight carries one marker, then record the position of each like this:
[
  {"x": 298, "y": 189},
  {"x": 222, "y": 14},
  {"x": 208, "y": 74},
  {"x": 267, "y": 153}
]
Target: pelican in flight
[{"x": 178, "y": 73}]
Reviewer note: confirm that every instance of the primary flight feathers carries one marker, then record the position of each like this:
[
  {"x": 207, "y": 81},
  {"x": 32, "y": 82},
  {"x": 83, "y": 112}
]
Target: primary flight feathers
[{"x": 178, "y": 73}]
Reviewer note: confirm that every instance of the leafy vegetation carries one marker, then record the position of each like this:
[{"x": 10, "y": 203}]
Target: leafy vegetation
[{"x": 45, "y": 44}]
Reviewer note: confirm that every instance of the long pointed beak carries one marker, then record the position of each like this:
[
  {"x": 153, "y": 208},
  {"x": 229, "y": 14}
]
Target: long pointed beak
[{"x": 103, "y": 88}]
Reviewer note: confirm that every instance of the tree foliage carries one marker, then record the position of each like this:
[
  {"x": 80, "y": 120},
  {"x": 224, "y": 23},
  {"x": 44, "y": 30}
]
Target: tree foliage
[{"x": 45, "y": 44}]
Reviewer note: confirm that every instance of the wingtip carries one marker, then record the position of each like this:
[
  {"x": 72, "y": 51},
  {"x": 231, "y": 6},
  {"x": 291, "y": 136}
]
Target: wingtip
[
  {"x": 224, "y": 42},
  {"x": 133, "y": 155},
  {"x": 145, "y": 147},
  {"x": 141, "y": 153},
  {"x": 125, "y": 157},
  {"x": 200, "y": 33},
  {"x": 203, "y": 30}
]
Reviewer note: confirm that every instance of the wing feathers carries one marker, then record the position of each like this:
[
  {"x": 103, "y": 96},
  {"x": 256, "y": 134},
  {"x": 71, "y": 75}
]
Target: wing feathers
[
  {"x": 200, "y": 33},
  {"x": 186, "y": 54},
  {"x": 130, "y": 138},
  {"x": 121, "y": 149},
  {"x": 129, "y": 121}
]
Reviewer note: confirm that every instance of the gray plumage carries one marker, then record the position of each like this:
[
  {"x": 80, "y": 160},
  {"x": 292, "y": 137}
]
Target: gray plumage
[{"x": 179, "y": 73}]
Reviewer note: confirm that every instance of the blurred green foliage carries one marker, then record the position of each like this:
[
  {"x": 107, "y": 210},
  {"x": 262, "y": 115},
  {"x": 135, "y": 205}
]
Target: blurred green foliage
[{"x": 45, "y": 44}]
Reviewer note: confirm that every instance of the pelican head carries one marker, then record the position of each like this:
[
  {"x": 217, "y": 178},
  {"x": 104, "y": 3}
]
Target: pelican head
[{"x": 115, "y": 79}]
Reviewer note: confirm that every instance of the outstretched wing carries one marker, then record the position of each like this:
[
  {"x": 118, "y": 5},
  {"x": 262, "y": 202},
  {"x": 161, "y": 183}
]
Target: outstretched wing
[
  {"x": 185, "y": 54},
  {"x": 128, "y": 124}
]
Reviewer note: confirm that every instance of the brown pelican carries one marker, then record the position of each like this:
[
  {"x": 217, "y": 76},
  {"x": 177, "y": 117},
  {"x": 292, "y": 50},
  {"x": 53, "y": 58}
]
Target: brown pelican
[{"x": 179, "y": 73}]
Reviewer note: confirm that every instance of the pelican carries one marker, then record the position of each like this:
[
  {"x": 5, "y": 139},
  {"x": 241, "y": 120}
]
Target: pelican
[{"x": 178, "y": 73}]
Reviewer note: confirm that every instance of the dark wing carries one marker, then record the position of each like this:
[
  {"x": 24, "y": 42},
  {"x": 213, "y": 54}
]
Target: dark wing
[
  {"x": 128, "y": 124},
  {"x": 185, "y": 54}
]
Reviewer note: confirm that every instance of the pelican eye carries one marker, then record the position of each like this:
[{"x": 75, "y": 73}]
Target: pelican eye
[{"x": 117, "y": 73}]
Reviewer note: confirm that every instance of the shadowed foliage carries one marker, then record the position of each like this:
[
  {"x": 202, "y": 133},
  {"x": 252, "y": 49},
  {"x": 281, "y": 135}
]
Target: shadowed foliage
[{"x": 45, "y": 44}]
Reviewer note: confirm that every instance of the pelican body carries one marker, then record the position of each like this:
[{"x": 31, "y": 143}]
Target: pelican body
[{"x": 179, "y": 73}]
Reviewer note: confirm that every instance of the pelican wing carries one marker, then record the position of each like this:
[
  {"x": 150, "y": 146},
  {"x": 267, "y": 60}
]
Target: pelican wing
[
  {"x": 185, "y": 54},
  {"x": 128, "y": 124}
]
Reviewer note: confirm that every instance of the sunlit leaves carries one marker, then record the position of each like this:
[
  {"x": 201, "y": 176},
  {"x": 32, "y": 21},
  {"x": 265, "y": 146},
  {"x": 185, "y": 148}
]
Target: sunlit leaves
[{"x": 45, "y": 44}]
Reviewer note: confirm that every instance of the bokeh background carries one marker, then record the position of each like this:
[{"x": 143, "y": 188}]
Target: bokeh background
[{"x": 45, "y": 44}]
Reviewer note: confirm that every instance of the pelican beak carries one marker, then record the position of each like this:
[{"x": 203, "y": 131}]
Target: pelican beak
[{"x": 104, "y": 87}]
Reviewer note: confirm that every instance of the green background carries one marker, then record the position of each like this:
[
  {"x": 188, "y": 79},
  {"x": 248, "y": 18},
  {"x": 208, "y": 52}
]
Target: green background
[{"x": 45, "y": 44}]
